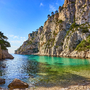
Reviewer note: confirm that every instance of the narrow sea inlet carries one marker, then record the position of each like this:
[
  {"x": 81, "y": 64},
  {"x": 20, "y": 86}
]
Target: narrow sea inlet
[{"x": 45, "y": 71}]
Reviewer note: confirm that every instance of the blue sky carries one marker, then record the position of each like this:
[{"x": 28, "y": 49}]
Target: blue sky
[{"x": 18, "y": 18}]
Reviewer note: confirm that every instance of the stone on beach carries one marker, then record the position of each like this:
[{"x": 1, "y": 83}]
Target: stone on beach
[{"x": 16, "y": 83}]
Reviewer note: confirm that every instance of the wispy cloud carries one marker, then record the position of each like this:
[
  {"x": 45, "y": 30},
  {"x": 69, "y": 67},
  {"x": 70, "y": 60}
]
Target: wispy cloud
[
  {"x": 16, "y": 41},
  {"x": 57, "y": 4},
  {"x": 11, "y": 35},
  {"x": 52, "y": 8},
  {"x": 41, "y": 4},
  {"x": 15, "y": 37}
]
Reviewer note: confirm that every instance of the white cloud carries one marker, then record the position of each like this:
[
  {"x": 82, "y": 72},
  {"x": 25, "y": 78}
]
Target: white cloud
[
  {"x": 15, "y": 37},
  {"x": 16, "y": 41},
  {"x": 12, "y": 49},
  {"x": 41, "y": 4},
  {"x": 22, "y": 37},
  {"x": 11, "y": 35},
  {"x": 57, "y": 4},
  {"x": 52, "y": 8}
]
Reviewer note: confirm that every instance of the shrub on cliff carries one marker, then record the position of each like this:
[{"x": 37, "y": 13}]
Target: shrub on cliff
[
  {"x": 3, "y": 41},
  {"x": 84, "y": 45}
]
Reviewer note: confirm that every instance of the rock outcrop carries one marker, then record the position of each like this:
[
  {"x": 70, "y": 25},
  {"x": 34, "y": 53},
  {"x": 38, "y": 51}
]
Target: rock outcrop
[
  {"x": 5, "y": 55},
  {"x": 62, "y": 32},
  {"x": 16, "y": 83}
]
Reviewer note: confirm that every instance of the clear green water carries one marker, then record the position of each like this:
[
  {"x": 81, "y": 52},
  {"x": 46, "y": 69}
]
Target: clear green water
[
  {"x": 46, "y": 70},
  {"x": 58, "y": 60}
]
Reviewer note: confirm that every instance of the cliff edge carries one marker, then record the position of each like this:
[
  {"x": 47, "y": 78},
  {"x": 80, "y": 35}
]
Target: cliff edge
[
  {"x": 65, "y": 33},
  {"x": 3, "y": 47}
]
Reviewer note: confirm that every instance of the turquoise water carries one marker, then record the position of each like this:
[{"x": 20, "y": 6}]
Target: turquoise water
[
  {"x": 23, "y": 66},
  {"x": 58, "y": 60}
]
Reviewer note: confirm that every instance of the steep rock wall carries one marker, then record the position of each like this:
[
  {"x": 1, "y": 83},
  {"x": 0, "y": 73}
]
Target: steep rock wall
[{"x": 62, "y": 32}]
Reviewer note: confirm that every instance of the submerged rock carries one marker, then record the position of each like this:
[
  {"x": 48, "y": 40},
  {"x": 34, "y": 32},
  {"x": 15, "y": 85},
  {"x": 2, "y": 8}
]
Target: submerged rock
[
  {"x": 3, "y": 66},
  {"x": 31, "y": 76},
  {"x": 16, "y": 83},
  {"x": 2, "y": 81}
]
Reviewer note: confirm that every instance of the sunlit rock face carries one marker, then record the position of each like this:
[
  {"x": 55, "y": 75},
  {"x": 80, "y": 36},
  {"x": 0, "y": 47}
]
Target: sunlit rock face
[
  {"x": 62, "y": 32},
  {"x": 82, "y": 14}
]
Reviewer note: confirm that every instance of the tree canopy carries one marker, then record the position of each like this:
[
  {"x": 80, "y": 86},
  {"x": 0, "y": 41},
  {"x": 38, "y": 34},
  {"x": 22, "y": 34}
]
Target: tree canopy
[
  {"x": 3, "y": 41},
  {"x": 52, "y": 13}
]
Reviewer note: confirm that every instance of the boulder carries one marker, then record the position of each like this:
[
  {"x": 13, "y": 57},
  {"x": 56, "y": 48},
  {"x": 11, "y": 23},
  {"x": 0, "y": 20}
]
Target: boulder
[
  {"x": 6, "y": 55},
  {"x": 2, "y": 81},
  {"x": 16, "y": 83},
  {"x": 0, "y": 88}
]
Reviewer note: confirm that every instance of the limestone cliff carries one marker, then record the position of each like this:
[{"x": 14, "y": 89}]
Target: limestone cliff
[{"x": 63, "y": 32}]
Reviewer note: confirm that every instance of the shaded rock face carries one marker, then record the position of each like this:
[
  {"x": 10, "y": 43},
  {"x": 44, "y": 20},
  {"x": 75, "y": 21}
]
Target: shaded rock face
[
  {"x": 5, "y": 55},
  {"x": 16, "y": 83},
  {"x": 0, "y": 53},
  {"x": 62, "y": 32}
]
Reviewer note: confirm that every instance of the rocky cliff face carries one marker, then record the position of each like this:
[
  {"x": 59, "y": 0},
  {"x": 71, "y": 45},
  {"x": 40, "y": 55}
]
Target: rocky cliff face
[
  {"x": 62, "y": 32},
  {"x": 5, "y": 55}
]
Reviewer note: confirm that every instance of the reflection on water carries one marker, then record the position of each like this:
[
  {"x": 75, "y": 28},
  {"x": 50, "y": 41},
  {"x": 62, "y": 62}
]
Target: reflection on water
[{"x": 23, "y": 66}]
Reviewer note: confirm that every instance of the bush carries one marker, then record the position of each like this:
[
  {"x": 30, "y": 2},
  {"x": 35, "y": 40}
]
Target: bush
[
  {"x": 84, "y": 45},
  {"x": 84, "y": 29},
  {"x": 60, "y": 21}
]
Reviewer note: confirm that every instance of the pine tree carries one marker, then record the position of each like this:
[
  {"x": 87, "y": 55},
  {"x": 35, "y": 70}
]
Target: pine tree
[{"x": 3, "y": 41}]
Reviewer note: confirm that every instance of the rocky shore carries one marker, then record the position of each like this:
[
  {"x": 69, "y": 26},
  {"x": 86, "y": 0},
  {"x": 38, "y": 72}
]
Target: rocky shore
[
  {"x": 74, "y": 54},
  {"x": 5, "y": 55},
  {"x": 85, "y": 86}
]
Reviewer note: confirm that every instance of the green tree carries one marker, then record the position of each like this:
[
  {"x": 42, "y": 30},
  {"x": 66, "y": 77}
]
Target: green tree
[
  {"x": 48, "y": 15},
  {"x": 52, "y": 13},
  {"x": 56, "y": 11},
  {"x": 3, "y": 41}
]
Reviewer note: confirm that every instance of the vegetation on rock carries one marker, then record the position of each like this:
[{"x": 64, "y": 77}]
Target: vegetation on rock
[
  {"x": 84, "y": 45},
  {"x": 3, "y": 41}
]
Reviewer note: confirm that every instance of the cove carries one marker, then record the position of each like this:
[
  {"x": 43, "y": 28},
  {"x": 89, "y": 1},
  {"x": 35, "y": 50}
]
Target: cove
[{"x": 45, "y": 70}]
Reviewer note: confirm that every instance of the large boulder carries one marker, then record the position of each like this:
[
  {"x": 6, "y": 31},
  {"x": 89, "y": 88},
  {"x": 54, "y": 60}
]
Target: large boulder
[
  {"x": 16, "y": 83},
  {"x": 2, "y": 81},
  {"x": 6, "y": 55}
]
